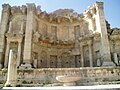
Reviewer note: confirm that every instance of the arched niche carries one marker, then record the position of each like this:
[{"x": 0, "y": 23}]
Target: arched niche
[
  {"x": 44, "y": 29},
  {"x": 65, "y": 33},
  {"x": 53, "y": 33},
  {"x": 42, "y": 62},
  {"x": 66, "y": 60},
  {"x": 18, "y": 24},
  {"x": 77, "y": 31},
  {"x": 85, "y": 28}
]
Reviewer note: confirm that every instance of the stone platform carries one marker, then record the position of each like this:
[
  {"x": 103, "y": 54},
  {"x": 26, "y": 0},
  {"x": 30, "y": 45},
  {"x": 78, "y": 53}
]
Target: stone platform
[
  {"x": 89, "y": 76},
  {"x": 96, "y": 87}
]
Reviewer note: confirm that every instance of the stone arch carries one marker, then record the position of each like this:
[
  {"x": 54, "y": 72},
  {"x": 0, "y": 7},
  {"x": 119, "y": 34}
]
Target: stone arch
[{"x": 42, "y": 62}]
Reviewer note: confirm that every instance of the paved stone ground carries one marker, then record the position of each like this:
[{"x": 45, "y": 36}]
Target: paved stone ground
[{"x": 96, "y": 87}]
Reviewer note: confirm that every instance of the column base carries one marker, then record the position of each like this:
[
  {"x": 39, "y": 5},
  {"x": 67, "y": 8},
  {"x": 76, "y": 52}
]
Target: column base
[
  {"x": 108, "y": 64},
  {"x": 69, "y": 84},
  {"x": 25, "y": 66},
  {"x": 11, "y": 83}
]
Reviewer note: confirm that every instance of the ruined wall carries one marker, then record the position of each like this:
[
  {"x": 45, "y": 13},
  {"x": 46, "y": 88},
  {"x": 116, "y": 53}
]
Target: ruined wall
[
  {"x": 89, "y": 76},
  {"x": 47, "y": 36}
]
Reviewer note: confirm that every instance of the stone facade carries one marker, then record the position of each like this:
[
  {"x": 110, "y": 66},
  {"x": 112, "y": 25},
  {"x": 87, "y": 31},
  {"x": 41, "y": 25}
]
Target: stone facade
[
  {"x": 58, "y": 43},
  {"x": 61, "y": 39}
]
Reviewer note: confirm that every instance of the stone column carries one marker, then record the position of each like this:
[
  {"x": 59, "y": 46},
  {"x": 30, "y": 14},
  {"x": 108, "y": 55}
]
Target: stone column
[
  {"x": 116, "y": 58},
  {"x": 28, "y": 34},
  {"x": 1, "y": 61},
  {"x": 10, "y": 27},
  {"x": 82, "y": 57},
  {"x": 3, "y": 29},
  {"x": 12, "y": 69},
  {"x": 101, "y": 28},
  {"x": 90, "y": 53},
  {"x": 19, "y": 53},
  {"x": 7, "y": 54},
  {"x": 22, "y": 28}
]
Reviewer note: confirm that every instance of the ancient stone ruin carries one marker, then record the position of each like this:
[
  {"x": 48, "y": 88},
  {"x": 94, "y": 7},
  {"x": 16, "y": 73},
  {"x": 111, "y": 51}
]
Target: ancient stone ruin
[{"x": 62, "y": 42}]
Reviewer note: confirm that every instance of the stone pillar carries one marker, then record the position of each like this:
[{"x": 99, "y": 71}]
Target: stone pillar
[
  {"x": 3, "y": 29},
  {"x": 82, "y": 57},
  {"x": 28, "y": 34},
  {"x": 19, "y": 53},
  {"x": 10, "y": 27},
  {"x": 101, "y": 28},
  {"x": 7, "y": 54},
  {"x": 22, "y": 28},
  {"x": 12, "y": 69},
  {"x": 90, "y": 53},
  {"x": 115, "y": 58}
]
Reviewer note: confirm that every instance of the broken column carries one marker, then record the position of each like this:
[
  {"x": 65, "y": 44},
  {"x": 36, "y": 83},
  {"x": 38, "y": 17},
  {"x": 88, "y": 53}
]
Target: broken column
[{"x": 12, "y": 69}]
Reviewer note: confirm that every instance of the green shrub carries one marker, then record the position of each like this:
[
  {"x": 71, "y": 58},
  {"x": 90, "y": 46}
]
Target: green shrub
[
  {"x": 18, "y": 85},
  {"x": 24, "y": 82},
  {"x": 8, "y": 85}
]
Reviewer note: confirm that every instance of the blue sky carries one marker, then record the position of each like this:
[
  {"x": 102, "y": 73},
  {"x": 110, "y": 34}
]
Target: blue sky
[{"x": 111, "y": 7}]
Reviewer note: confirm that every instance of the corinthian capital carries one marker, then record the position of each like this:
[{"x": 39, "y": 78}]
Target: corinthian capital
[
  {"x": 31, "y": 7},
  {"x": 99, "y": 5},
  {"x": 6, "y": 8}
]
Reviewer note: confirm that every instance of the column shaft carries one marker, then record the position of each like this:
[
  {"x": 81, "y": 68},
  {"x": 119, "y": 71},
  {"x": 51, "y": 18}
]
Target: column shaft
[
  {"x": 82, "y": 57},
  {"x": 10, "y": 27},
  {"x": 7, "y": 54},
  {"x": 90, "y": 54},
  {"x": 19, "y": 54}
]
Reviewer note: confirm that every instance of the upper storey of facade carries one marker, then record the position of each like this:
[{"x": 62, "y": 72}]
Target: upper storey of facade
[{"x": 62, "y": 24}]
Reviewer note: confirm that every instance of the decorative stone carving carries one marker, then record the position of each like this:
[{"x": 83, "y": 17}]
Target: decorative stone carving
[
  {"x": 99, "y": 5},
  {"x": 36, "y": 37},
  {"x": 24, "y": 9},
  {"x": 64, "y": 13},
  {"x": 88, "y": 15},
  {"x": 16, "y": 10}
]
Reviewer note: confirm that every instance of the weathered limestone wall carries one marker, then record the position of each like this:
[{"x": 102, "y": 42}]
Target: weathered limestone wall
[
  {"x": 88, "y": 76},
  {"x": 40, "y": 35}
]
